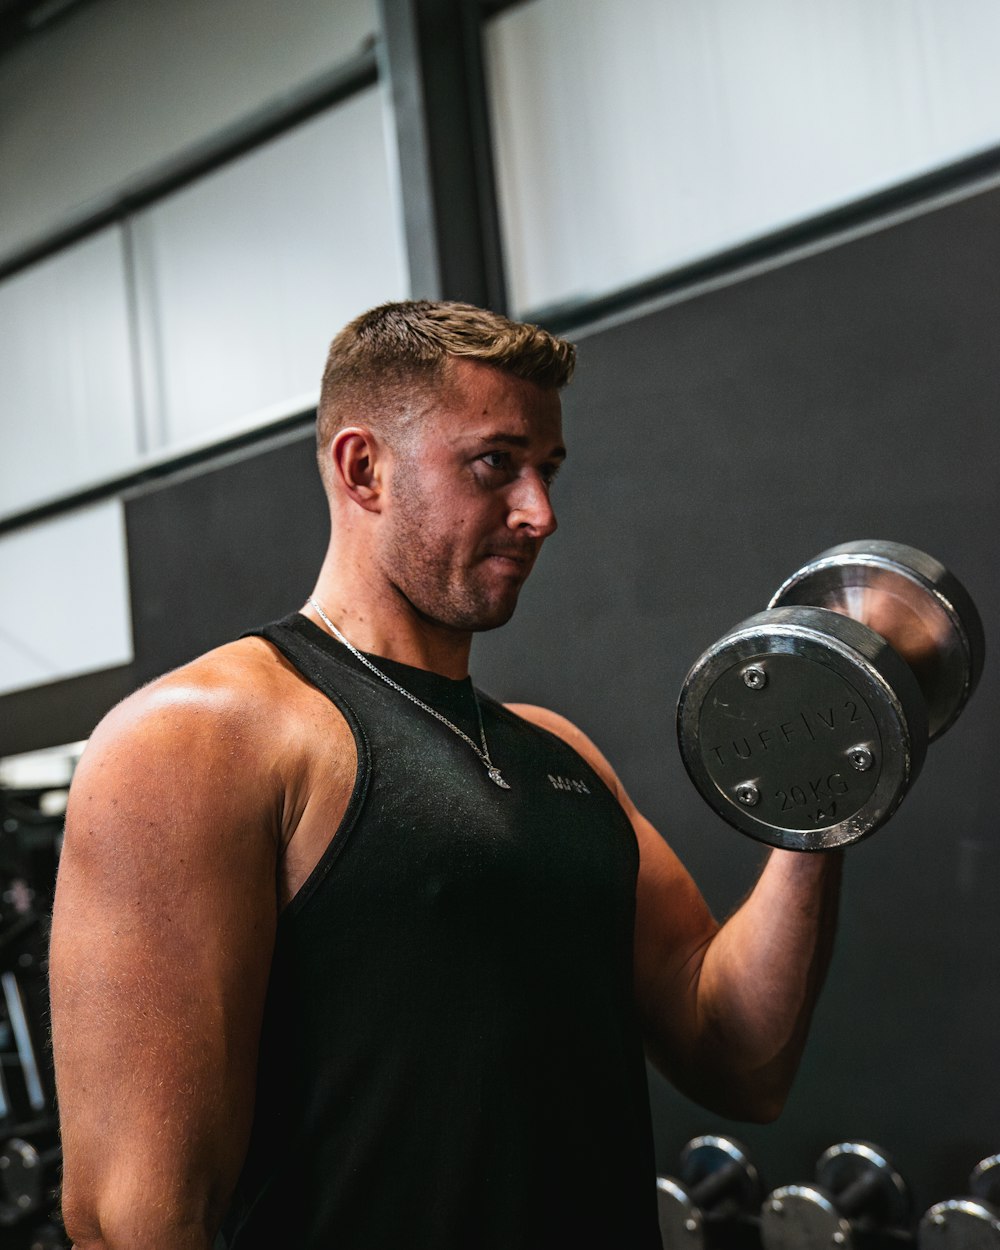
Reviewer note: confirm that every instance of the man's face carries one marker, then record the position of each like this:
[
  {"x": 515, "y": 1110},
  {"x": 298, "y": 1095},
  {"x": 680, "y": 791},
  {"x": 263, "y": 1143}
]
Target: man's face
[{"x": 468, "y": 508}]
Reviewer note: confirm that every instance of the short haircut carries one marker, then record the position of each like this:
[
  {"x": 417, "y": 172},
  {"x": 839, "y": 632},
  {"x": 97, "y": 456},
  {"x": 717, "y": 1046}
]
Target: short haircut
[{"x": 394, "y": 360}]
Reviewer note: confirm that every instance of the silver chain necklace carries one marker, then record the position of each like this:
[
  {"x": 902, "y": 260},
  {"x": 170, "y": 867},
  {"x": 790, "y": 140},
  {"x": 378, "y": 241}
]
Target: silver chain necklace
[{"x": 484, "y": 755}]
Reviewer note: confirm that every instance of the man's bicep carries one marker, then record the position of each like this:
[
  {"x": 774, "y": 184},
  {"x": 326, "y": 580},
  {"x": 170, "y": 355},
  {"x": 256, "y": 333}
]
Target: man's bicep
[{"x": 162, "y": 934}]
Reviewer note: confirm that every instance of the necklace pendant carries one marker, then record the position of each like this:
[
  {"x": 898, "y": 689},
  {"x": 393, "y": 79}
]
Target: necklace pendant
[{"x": 494, "y": 775}]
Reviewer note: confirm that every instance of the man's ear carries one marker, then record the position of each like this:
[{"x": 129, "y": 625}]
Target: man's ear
[{"x": 357, "y": 459}]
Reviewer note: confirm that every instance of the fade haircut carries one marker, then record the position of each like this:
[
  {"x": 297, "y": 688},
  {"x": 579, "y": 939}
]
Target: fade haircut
[{"x": 390, "y": 363}]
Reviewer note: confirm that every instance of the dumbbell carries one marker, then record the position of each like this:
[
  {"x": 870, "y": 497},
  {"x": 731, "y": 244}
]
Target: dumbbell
[
  {"x": 805, "y": 725},
  {"x": 715, "y": 1181},
  {"x": 27, "y": 1177},
  {"x": 971, "y": 1223},
  {"x": 857, "y": 1189},
  {"x": 45, "y": 1237}
]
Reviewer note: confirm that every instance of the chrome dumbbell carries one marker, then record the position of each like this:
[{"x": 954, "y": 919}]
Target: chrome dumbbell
[
  {"x": 857, "y": 1190},
  {"x": 804, "y": 726},
  {"x": 971, "y": 1223},
  {"x": 716, "y": 1182}
]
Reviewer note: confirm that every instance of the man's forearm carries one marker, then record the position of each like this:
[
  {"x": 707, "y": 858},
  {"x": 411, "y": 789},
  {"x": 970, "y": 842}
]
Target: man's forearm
[{"x": 761, "y": 975}]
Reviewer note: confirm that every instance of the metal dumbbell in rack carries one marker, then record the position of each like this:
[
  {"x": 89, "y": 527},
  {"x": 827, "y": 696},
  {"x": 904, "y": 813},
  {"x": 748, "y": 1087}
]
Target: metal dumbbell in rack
[
  {"x": 969, "y": 1223},
  {"x": 857, "y": 1192},
  {"x": 805, "y": 725},
  {"x": 716, "y": 1188},
  {"x": 28, "y": 1171},
  {"x": 29, "y": 1143}
]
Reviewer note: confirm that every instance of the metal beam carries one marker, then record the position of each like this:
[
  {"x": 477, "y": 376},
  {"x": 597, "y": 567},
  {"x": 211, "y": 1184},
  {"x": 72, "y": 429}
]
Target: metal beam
[{"x": 432, "y": 62}]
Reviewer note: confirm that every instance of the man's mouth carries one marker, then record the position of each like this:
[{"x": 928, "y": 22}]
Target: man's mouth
[{"x": 515, "y": 559}]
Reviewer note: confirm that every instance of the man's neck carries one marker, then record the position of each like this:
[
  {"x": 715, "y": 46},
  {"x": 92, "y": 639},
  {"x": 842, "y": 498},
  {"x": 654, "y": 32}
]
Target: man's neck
[{"x": 389, "y": 629}]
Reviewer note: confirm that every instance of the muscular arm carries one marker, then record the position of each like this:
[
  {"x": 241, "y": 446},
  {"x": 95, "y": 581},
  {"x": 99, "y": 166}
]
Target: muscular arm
[
  {"x": 726, "y": 1015},
  {"x": 162, "y": 934},
  {"x": 725, "y": 1008}
]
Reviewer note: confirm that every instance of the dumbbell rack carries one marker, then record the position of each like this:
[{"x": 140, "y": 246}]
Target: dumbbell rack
[{"x": 857, "y": 1200}]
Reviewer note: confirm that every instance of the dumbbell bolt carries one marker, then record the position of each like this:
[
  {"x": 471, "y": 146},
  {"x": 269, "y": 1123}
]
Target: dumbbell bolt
[
  {"x": 754, "y": 677},
  {"x": 748, "y": 794},
  {"x": 861, "y": 758}
]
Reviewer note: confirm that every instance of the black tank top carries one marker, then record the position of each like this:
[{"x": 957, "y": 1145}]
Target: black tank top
[{"x": 450, "y": 1057}]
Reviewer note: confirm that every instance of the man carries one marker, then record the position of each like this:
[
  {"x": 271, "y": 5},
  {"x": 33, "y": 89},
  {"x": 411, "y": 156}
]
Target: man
[{"x": 345, "y": 954}]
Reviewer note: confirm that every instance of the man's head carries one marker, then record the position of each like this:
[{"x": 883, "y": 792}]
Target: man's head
[
  {"x": 439, "y": 434},
  {"x": 391, "y": 365}
]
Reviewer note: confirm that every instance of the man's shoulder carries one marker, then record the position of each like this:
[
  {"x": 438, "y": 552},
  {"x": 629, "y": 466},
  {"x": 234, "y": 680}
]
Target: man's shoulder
[
  {"x": 548, "y": 719},
  {"x": 228, "y": 706}
]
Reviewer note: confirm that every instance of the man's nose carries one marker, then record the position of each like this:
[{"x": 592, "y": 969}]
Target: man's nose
[{"x": 531, "y": 507}]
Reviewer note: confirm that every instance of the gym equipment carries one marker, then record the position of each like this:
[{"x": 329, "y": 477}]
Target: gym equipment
[
  {"x": 857, "y": 1190},
  {"x": 27, "y": 1178},
  {"x": 804, "y": 726},
  {"x": 971, "y": 1223},
  {"x": 29, "y": 1144},
  {"x": 716, "y": 1182}
]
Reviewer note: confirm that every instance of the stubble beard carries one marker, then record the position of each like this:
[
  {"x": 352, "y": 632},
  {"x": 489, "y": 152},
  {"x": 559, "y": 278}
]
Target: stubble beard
[{"x": 426, "y": 570}]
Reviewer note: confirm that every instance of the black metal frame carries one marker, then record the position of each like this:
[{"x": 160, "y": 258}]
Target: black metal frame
[{"x": 433, "y": 63}]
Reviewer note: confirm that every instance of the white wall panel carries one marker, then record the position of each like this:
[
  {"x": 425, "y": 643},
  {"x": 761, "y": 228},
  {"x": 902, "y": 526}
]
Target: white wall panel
[
  {"x": 120, "y": 86},
  {"x": 634, "y": 137},
  {"x": 65, "y": 603},
  {"x": 67, "y": 401},
  {"x": 246, "y": 275}
]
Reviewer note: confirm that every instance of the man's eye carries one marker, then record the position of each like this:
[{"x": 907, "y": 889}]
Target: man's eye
[
  {"x": 496, "y": 459},
  {"x": 550, "y": 473}
]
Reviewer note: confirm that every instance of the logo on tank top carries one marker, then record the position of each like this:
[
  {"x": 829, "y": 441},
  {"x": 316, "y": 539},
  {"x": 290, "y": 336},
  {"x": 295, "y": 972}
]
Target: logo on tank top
[{"x": 568, "y": 783}]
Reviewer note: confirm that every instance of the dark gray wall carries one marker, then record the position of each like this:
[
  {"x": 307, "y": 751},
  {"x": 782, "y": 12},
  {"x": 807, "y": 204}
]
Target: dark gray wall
[{"x": 714, "y": 447}]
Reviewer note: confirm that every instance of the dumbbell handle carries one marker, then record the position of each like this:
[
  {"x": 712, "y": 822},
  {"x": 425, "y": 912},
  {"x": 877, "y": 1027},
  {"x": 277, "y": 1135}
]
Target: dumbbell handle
[
  {"x": 854, "y": 1197},
  {"x": 717, "y": 1184}
]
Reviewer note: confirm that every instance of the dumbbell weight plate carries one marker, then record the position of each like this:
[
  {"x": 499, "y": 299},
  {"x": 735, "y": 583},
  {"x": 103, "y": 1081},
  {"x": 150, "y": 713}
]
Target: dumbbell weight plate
[
  {"x": 21, "y": 1180},
  {"x": 914, "y": 602},
  {"x": 708, "y": 1162},
  {"x": 709, "y": 1156},
  {"x": 681, "y": 1221},
  {"x": 802, "y": 728},
  {"x": 971, "y": 1223},
  {"x": 960, "y": 1224},
  {"x": 843, "y": 1165},
  {"x": 816, "y": 1217},
  {"x": 802, "y": 1217},
  {"x": 985, "y": 1180}
]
